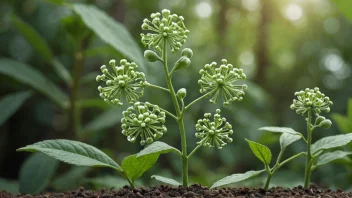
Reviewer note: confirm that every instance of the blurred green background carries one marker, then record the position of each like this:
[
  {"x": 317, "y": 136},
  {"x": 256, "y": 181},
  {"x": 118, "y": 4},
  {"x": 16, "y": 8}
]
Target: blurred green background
[{"x": 49, "y": 58}]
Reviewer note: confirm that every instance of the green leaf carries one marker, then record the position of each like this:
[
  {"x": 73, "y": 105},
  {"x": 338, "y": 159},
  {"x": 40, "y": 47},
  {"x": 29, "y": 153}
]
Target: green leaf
[
  {"x": 36, "y": 173},
  {"x": 62, "y": 71},
  {"x": 135, "y": 167},
  {"x": 110, "y": 31},
  {"x": 28, "y": 75},
  {"x": 33, "y": 37},
  {"x": 157, "y": 147},
  {"x": 89, "y": 78},
  {"x": 71, "y": 179},
  {"x": 11, "y": 103},
  {"x": 105, "y": 50},
  {"x": 106, "y": 182},
  {"x": 9, "y": 186},
  {"x": 262, "y": 152},
  {"x": 166, "y": 180},
  {"x": 345, "y": 7},
  {"x": 343, "y": 123},
  {"x": 280, "y": 130},
  {"x": 287, "y": 139},
  {"x": 104, "y": 120},
  {"x": 97, "y": 103},
  {"x": 331, "y": 156},
  {"x": 73, "y": 152},
  {"x": 235, "y": 178},
  {"x": 331, "y": 142}
]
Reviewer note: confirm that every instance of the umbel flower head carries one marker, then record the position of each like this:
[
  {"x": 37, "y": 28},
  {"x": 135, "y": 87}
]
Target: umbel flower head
[
  {"x": 311, "y": 99},
  {"x": 144, "y": 120},
  {"x": 213, "y": 133},
  {"x": 221, "y": 81},
  {"x": 164, "y": 27},
  {"x": 124, "y": 81}
]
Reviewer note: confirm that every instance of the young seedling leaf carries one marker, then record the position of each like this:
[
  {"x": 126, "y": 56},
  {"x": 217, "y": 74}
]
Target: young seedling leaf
[
  {"x": 9, "y": 186},
  {"x": 33, "y": 37},
  {"x": 157, "y": 148},
  {"x": 110, "y": 31},
  {"x": 134, "y": 167},
  {"x": 287, "y": 139},
  {"x": 166, "y": 180},
  {"x": 235, "y": 178},
  {"x": 36, "y": 173},
  {"x": 11, "y": 103},
  {"x": 331, "y": 142},
  {"x": 331, "y": 156},
  {"x": 73, "y": 152},
  {"x": 262, "y": 152},
  {"x": 28, "y": 75},
  {"x": 280, "y": 130},
  {"x": 70, "y": 179}
]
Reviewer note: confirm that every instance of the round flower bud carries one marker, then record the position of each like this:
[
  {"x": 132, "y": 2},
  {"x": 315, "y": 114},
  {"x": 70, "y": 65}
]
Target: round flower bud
[
  {"x": 183, "y": 62},
  {"x": 187, "y": 52},
  {"x": 151, "y": 56},
  {"x": 325, "y": 124},
  {"x": 181, "y": 93},
  {"x": 319, "y": 119}
]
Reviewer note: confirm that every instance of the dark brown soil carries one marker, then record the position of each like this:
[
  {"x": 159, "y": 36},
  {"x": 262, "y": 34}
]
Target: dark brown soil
[{"x": 194, "y": 191}]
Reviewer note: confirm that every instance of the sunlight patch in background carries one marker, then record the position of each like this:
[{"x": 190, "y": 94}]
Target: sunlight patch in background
[
  {"x": 204, "y": 9},
  {"x": 293, "y": 12},
  {"x": 247, "y": 59},
  {"x": 251, "y": 5},
  {"x": 331, "y": 25}
]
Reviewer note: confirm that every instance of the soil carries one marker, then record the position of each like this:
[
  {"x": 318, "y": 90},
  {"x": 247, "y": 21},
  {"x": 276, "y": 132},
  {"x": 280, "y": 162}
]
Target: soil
[{"x": 193, "y": 191}]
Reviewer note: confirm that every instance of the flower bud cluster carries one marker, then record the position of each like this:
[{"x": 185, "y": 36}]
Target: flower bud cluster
[
  {"x": 165, "y": 27},
  {"x": 322, "y": 122},
  {"x": 145, "y": 120},
  {"x": 221, "y": 81},
  {"x": 124, "y": 81},
  {"x": 213, "y": 133},
  {"x": 311, "y": 99}
]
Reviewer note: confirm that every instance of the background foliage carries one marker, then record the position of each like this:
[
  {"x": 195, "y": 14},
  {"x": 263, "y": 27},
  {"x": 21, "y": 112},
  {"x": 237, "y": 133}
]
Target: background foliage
[{"x": 51, "y": 51}]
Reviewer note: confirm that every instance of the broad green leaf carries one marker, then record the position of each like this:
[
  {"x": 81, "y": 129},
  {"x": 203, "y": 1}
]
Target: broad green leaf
[
  {"x": 287, "y": 139},
  {"x": 97, "y": 103},
  {"x": 71, "y": 179},
  {"x": 106, "y": 182},
  {"x": 349, "y": 106},
  {"x": 104, "y": 120},
  {"x": 345, "y": 7},
  {"x": 110, "y": 31},
  {"x": 343, "y": 123},
  {"x": 89, "y": 78},
  {"x": 135, "y": 167},
  {"x": 73, "y": 152},
  {"x": 106, "y": 50},
  {"x": 11, "y": 103},
  {"x": 33, "y": 37},
  {"x": 36, "y": 173},
  {"x": 62, "y": 71},
  {"x": 331, "y": 156},
  {"x": 262, "y": 152},
  {"x": 331, "y": 142},
  {"x": 28, "y": 75},
  {"x": 157, "y": 148},
  {"x": 235, "y": 178},
  {"x": 9, "y": 186},
  {"x": 280, "y": 130},
  {"x": 166, "y": 180}
]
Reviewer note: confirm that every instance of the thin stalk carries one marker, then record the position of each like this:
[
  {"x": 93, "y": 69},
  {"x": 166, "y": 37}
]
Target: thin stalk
[
  {"x": 194, "y": 150},
  {"x": 157, "y": 87},
  {"x": 180, "y": 116},
  {"x": 170, "y": 114},
  {"x": 309, "y": 154},
  {"x": 270, "y": 175},
  {"x": 198, "y": 99}
]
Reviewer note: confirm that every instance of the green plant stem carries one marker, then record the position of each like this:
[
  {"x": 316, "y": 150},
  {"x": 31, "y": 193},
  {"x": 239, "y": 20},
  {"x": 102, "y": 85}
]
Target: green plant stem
[
  {"x": 168, "y": 113},
  {"x": 157, "y": 87},
  {"x": 180, "y": 115},
  {"x": 270, "y": 174},
  {"x": 198, "y": 99},
  {"x": 194, "y": 150},
  {"x": 309, "y": 154},
  {"x": 128, "y": 180}
]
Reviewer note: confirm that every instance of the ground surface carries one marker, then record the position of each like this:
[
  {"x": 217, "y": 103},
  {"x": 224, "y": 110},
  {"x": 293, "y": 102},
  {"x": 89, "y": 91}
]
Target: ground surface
[{"x": 193, "y": 191}]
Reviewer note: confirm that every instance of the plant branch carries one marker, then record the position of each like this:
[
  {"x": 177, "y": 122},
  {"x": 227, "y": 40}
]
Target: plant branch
[
  {"x": 170, "y": 114},
  {"x": 309, "y": 154},
  {"x": 198, "y": 99},
  {"x": 194, "y": 150},
  {"x": 157, "y": 87}
]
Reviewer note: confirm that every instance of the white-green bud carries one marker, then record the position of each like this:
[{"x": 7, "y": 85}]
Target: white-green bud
[
  {"x": 325, "y": 124},
  {"x": 181, "y": 93},
  {"x": 187, "y": 52},
  {"x": 319, "y": 119},
  {"x": 183, "y": 62},
  {"x": 151, "y": 56}
]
